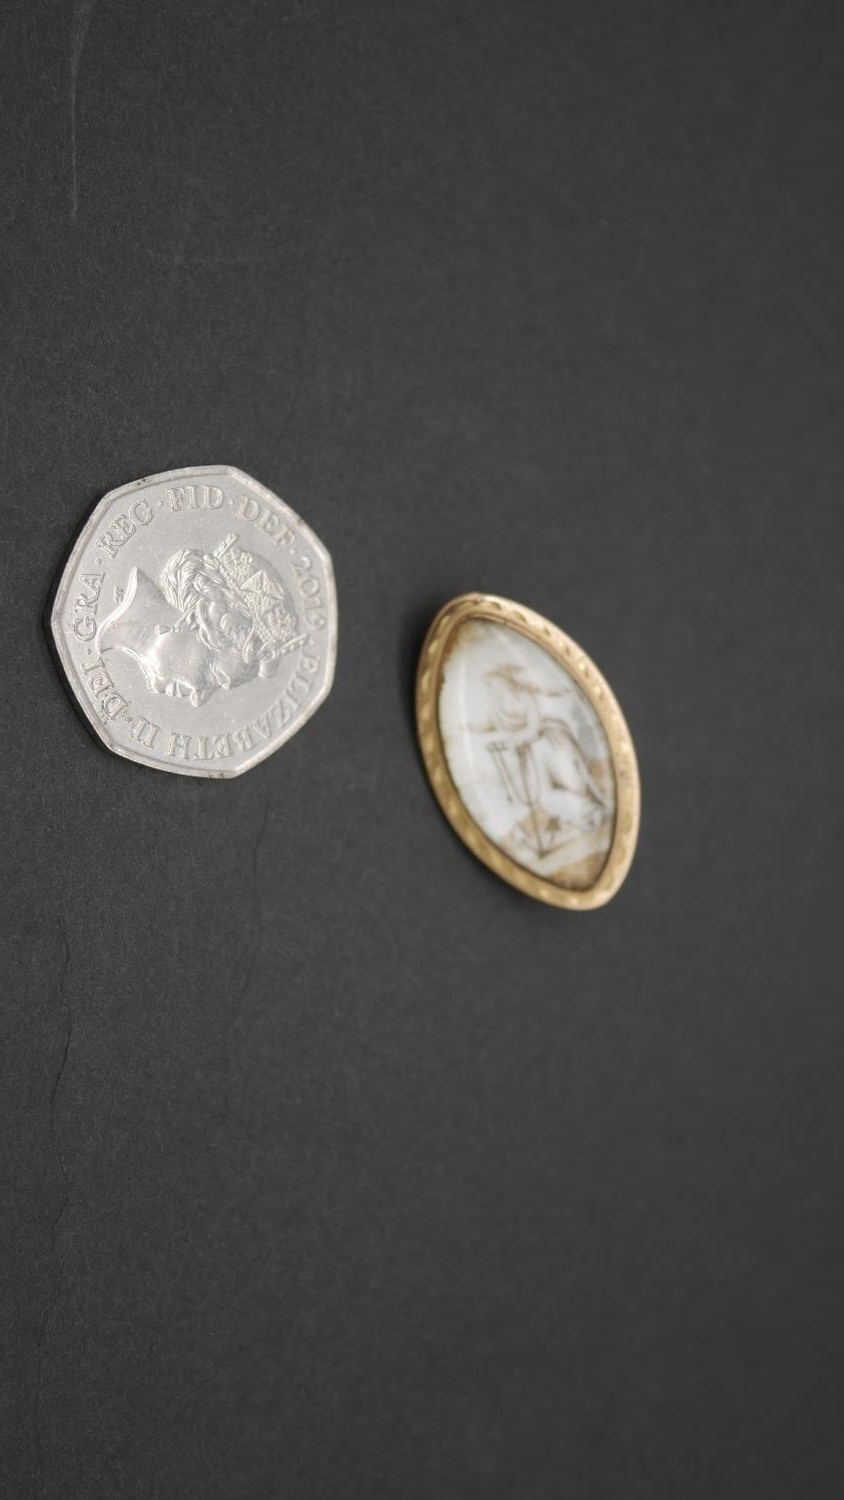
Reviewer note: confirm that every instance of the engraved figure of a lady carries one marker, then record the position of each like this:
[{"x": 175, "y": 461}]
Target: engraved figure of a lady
[{"x": 541, "y": 766}]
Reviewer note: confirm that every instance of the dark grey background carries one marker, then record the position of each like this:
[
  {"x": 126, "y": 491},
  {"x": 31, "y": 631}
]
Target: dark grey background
[{"x": 332, "y": 1166}]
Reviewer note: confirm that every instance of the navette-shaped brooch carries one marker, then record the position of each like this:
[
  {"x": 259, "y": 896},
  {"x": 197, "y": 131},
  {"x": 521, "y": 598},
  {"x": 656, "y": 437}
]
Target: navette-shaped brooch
[{"x": 527, "y": 751}]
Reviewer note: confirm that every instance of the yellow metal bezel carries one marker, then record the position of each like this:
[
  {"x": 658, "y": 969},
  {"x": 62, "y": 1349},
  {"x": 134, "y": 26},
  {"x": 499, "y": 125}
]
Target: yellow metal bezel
[{"x": 583, "y": 671}]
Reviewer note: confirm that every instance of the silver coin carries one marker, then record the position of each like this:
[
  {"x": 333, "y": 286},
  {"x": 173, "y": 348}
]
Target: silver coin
[{"x": 196, "y": 621}]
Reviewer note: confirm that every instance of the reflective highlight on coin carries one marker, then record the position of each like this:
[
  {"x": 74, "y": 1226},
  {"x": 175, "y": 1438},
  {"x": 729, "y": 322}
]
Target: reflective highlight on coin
[
  {"x": 528, "y": 751},
  {"x": 196, "y": 621}
]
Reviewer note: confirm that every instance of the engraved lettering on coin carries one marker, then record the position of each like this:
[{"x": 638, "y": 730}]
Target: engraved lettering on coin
[{"x": 159, "y": 600}]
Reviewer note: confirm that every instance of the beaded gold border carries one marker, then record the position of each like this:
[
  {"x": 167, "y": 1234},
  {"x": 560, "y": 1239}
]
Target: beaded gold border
[{"x": 584, "y": 672}]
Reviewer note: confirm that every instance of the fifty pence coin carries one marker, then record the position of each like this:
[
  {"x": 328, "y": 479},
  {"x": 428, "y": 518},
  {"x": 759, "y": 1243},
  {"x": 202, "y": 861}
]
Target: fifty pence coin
[{"x": 196, "y": 621}]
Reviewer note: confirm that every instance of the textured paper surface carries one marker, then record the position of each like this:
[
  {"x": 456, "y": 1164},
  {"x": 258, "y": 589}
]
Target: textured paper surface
[{"x": 332, "y": 1166}]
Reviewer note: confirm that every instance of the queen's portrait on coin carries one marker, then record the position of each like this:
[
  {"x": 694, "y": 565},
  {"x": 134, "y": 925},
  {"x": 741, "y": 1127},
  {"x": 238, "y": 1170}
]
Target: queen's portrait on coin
[{"x": 213, "y": 620}]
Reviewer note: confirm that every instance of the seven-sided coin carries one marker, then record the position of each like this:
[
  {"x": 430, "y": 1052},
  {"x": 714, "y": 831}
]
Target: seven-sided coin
[{"x": 196, "y": 621}]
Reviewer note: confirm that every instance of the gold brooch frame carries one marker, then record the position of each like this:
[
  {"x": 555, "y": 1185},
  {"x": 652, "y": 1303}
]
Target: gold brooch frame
[{"x": 586, "y": 675}]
